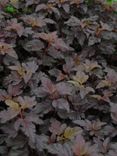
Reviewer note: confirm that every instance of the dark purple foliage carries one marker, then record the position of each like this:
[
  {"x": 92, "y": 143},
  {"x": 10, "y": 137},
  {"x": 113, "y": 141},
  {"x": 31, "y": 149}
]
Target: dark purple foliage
[{"x": 58, "y": 78}]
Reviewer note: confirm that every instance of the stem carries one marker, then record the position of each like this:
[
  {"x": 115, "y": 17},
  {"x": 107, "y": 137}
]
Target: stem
[{"x": 21, "y": 116}]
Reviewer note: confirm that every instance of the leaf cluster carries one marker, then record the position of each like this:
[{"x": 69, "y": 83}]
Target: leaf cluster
[{"x": 58, "y": 78}]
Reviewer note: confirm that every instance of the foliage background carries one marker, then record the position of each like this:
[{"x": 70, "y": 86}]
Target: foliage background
[{"x": 58, "y": 78}]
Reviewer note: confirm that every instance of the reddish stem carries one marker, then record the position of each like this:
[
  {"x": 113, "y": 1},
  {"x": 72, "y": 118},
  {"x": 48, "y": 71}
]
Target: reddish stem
[{"x": 21, "y": 116}]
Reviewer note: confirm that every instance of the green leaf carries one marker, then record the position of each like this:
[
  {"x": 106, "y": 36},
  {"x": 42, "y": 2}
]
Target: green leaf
[
  {"x": 115, "y": 12},
  {"x": 110, "y": 2},
  {"x": 10, "y": 9}
]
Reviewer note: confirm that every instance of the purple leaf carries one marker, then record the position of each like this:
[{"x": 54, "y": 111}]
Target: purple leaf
[{"x": 61, "y": 104}]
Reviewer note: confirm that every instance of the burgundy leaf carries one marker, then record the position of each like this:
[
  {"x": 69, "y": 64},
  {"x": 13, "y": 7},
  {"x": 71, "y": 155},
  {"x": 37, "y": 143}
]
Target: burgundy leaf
[{"x": 61, "y": 104}]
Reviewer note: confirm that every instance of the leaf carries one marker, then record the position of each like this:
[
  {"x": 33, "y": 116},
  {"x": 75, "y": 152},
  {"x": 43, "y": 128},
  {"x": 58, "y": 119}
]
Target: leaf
[
  {"x": 56, "y": 127},
  {"x": 34, "y": 118},
  {"x": 3, "y": 2},
  {"x": 114, "y": 112},
  {"x": 103, "y": 83},
  {"x": 14, "y": 152},
  {"x": 27, "y": 127},
  {"x": 61, "y": 104},
  {"x": 64, "y": 88},
  {"x": 20, "y": 70},
  {"x": 26, "y": 102},
  {"x": 30, "y": 2},
  {"x": 70, "y": 133},
  {"x": 80, "y": 122},
  {"x": 17, "y": 146},
  {"x": 15, "y": 26},
  {"x": 14, "y": 90},
  {"x": 95, "y": 126},
  {"x": 34, "y": 21},
  {"x": 7, "y": 49},
  {"x": 106, "y": 96},
  {"x": 3, "y": 95},
  {"x": 43, "y": 108},
  {"x": 85, "y": 90},
  {"x": 3, "y": 150},
  {"x": 10, "y": 9},
  {"x": 104, "y": 146},
  {"x": 41, "y": 7},
  {"x": 77, "y": 2},
  {"x": 34, "y": 45},
  {"x": 12, "y": 104},
  {"x": 49, "y": 7},
  {"x": 79, "y": 79},
  {"x": 73, "y": 21},
  {"x": 41, "y": 142},
  {"x": 83, "y": 148},
  {"x": 60, "y": 150},
  {"x": 50, "y": 37},
  {"x": 9, "y": 129},
  {"x": 13, "y": 79},
  {"x": 48, "y": 86},
  {"x": 8, "y": 114},
  {"x": 69, "y": 65},
  {"x": 61, "y": 45},
  {"x": 53, "y": 40},
  {"x": 30, "y": 68},
  {"x": 103, "y": 27},
  {"x": 93, "y": 40},
  {"x": 49, "y": 21},
  {"x": 25, "y": 70},
  {"x": 112, "y": 76},
  {"x": 75, "y": 83},
  {"x": 106, "y": 48},
  {"x": 27, "y": 31},
  {"x": 29, "y": 130},
  {"x": 15, "y": 3},
  {"x": 91, "y": 65},
  {"x": 98, "y": 97}
]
